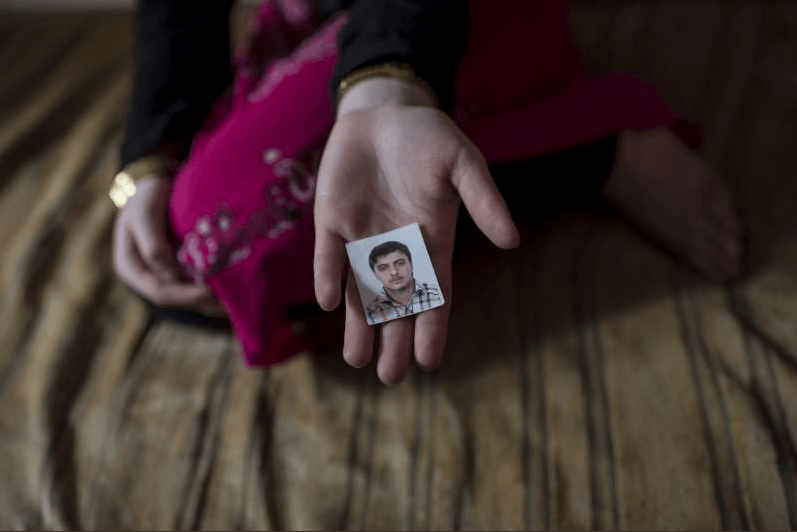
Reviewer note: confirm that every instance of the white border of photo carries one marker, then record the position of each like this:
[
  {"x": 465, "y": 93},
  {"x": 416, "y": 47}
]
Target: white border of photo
[{"x": 370, "y": 287}]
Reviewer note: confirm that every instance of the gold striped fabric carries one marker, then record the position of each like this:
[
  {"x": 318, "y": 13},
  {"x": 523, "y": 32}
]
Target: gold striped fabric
[{"x": 589, "y": 382}]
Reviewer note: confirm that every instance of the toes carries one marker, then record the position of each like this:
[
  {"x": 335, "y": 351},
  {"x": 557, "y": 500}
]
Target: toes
[
  {"x": 721, "y": 233},
  {"x": 717, "y": 203},
  {"x": 710, "y": 266},
  {"x": 723, "y": 217},
  {"x": 729, "y": 246},
  {"x": 729, "y": 265},
  {"x": 717, "y": 254},
  {"x": 715, "y": 269}
]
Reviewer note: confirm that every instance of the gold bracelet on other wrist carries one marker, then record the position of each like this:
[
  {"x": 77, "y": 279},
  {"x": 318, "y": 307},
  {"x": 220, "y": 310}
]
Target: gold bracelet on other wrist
[
  {"x": 400, "y": 71},
  {"x": 124, "y": 183}
]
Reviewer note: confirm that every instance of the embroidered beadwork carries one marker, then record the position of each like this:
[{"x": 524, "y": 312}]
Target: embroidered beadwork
[{"x": 218, "y": 242}]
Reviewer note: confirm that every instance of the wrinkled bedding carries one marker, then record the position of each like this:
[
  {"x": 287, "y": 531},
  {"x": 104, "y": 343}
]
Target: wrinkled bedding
[{"x": 589, "y": 383}]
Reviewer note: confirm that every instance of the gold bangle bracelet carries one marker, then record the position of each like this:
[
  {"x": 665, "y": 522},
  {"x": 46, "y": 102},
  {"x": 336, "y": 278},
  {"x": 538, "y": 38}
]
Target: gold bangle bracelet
[
  {"x": 400, "y": 71},
  {"x": 124, "y": 183}
]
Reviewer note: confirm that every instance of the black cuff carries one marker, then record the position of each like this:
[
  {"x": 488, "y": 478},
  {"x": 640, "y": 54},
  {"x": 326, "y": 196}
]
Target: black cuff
[
  {"x": 430, "y": 36},
  {"x": 182, "y": 65}
]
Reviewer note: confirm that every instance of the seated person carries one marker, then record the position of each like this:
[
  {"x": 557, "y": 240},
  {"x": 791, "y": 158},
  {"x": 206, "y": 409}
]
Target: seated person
[{"x": 228, "y": 229}]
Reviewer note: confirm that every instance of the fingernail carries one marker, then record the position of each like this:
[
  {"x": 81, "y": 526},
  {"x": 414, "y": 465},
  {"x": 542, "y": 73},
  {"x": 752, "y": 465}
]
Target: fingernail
[{"x": 358, "y": 364}]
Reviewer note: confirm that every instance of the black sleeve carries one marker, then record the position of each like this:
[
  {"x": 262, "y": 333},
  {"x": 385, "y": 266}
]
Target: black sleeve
[
  {"x": 182, "y": 65},
  {"x": 428, "y": 34}
]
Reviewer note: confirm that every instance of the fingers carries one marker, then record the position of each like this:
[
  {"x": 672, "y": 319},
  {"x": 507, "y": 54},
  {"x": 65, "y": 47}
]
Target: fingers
[
  {"x": 431, "y": 328},
  {"x": 358, "y": 336},
  {"x": 133, "y": 271},
  {"x": 471, "y": 178},
  {"x": 329, "y": 249},
  {"x": 395, "y": 350},
  {"x": 150, "y": 239},
  {"x": 395, "y": 345},
  {"x": 328, "y": 263}
]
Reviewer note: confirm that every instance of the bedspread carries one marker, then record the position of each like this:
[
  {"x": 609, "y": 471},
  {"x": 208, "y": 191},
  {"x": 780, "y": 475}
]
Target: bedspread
[{"x": 596, "y": 384}]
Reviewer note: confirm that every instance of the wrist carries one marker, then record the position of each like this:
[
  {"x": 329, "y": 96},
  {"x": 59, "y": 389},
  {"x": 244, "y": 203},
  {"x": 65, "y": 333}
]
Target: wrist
[
  {"x": 377, "y": 88},
  {"x": 153, "y": 165}
]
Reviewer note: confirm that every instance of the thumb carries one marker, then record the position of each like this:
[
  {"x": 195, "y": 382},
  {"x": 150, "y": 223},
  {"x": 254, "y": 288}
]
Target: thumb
[
  {"x": 149, "y": 236},
  {"x": 328, "y": 264},
  {"x": 472, "y": 179}
]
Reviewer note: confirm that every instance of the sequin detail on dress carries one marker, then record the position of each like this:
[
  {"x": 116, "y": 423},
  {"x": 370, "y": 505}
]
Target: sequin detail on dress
[{"x": 218, "y": 241}]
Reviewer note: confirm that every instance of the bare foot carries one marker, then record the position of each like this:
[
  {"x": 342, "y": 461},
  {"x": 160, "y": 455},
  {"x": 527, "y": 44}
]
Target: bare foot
[{"x": 675, "y": 198}]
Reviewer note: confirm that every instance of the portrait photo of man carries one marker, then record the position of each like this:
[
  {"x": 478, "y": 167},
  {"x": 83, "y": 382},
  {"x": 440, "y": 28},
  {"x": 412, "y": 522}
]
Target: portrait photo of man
[
  {"x": 386, "y": 266},
  {"x": 402, "y": 294}
]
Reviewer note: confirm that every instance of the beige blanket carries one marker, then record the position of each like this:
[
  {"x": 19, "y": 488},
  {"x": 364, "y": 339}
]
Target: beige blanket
[{"x": 589, "y": 381}]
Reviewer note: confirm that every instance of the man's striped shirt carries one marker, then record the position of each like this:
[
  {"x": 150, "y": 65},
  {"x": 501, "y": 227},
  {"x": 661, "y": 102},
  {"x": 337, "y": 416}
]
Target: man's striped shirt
[{"x": 384, "y": 307}]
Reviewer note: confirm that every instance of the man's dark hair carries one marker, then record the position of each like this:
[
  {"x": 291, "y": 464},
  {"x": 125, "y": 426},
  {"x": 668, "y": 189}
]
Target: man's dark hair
[{"x": 386, "y": 248}]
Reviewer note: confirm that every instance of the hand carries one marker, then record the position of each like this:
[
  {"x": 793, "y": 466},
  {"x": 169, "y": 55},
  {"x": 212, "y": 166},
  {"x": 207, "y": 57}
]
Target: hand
[
  {"x": 386, "y": 166},
  {"x": 143, "y": 257}
]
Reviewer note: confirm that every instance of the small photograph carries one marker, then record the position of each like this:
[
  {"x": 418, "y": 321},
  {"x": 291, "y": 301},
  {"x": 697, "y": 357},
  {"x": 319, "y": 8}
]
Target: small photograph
[{"x": 394, "y": 274}]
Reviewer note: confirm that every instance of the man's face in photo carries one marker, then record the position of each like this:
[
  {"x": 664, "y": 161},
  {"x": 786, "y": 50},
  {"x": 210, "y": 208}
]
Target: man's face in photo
[{"x": 394, "y": 270}]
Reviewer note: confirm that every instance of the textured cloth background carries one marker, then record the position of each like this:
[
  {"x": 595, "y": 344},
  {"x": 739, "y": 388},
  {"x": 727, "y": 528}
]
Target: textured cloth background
[{"x": 605, "y": 387}]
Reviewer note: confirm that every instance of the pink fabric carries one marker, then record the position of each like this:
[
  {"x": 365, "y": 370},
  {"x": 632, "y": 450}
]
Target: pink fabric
[
  {"x": 522, "y": 90},
  {"x": 241, "y": 205}
]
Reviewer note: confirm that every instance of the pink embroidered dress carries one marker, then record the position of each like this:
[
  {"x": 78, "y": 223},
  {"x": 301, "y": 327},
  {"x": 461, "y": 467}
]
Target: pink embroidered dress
[{"x": 241, "y": 204}]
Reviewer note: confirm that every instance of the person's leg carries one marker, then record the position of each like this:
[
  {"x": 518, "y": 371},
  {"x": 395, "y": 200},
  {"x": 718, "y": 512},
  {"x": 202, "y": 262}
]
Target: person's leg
[
  {"x": 547, "y": 184},
  {"x": 671, "y": 194},
  {"x": 660, "y": 185}
]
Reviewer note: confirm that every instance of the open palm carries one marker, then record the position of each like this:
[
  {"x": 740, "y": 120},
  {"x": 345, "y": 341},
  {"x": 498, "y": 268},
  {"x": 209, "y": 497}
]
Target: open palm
[{"x": 384, "y": 168}]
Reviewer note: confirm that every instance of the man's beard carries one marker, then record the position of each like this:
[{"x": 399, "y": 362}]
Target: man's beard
[{"x": 402, "y": 287}]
